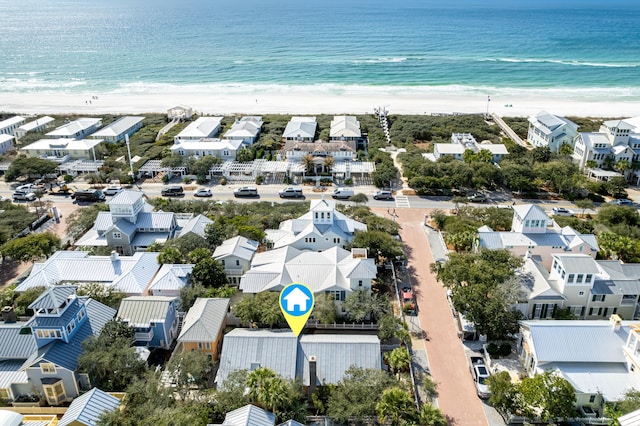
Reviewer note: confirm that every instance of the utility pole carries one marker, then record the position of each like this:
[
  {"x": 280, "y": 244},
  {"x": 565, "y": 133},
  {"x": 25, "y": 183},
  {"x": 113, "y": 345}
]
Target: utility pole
[{"x": 126, "y": 138}]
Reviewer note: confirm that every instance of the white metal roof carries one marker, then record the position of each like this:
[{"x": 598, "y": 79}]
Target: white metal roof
[
  {"x": 70, "y": 129},
  {"x": 63, "y": 144},
  {"x": 303, "y": 127},
  {"x": 203, "y": 127},
  {"x": 11, "y": 121},
  {"x": 207, "y": 144},
  {"x": 171, "y": 277},
  {"x": 42, "y": 121},
  {"x": 449, "y": 148},
  {"x": 345, "y": 125},
  {"x": 239, "y": 246},
  {"x": 118, "y": 127}
]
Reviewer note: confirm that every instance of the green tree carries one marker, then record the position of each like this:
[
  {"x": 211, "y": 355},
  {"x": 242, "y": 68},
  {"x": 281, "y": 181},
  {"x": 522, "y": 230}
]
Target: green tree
[
  {"x": 616, "y": 185},
  {"x": 549, "y": 395},
  {"x": 628, "y": 404},
  {"x": 504, "y": 393},
  {"x": 187, "y": 243},
  {"x": 360, "y": 305},
  {"x": 385, "y": 174},
  {"x": 170, "y": 255},
  {"x": 31, "y": 247},
  {"x": 565, "y": 149},
  {"x": 379, "y": 245},
  {"x": 199, "y": 255},
  {"x": 173, "y": 160},
  {"x": 28, "y": 167},
  {"x": 26, "y": 298},
  {"x": 324, "y": 309},
  {"x": 622, "y": 166},
  {"x": 105, "y": 294},
  {"x": 395, "y": 405},
  {"x": 202, "y": 165},
  {"x": 268, "y": 390},
  {"x": 308, "y": 163},
  {"x": 617, "y": 246},
  {"x": 399, "y": 360},
  {"x": 189, "y": 369},
  {"x": 244, "y": 155},
  {"x": 430, "y": 415},
  {"x": 359, "y": 198},
  {"x": 262, "y": 308},
  {"x": 584, "y": 204},
  {"x": 209, "y": 273},
  {"x": 355, "y": 397}
]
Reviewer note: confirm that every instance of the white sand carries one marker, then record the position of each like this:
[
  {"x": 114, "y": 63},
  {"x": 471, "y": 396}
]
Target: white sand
[{"x": 297, "y": 101}]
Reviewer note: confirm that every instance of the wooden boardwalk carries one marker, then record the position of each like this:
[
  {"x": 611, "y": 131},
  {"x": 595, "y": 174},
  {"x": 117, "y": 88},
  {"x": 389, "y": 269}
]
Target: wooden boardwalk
[{"x": 508, "y": 130}]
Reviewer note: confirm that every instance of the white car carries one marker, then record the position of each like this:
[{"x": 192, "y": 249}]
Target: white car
[
  {"x": 480, "y": 374},
  {"x": 561, "y": 211},
  {"x": 202, "y": 192},
  {"x": 112, "y": 190}
]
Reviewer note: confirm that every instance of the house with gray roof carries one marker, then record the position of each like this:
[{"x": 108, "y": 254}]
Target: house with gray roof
[
  {"x": 128, "y": 274},
  {"x": 235, "y": 255},
  {"x": 130, "y": 225},
  {"x": 153, "y": 318},
  {"x": 598, "y": 357},
  {"x": 321, "y": 228},
  {"x": 315, "y": 359},
  {"x": 534, "y": 233},
  {"x": 589, "y": 288},
  {"x": 552, "y": 131},
  {"x": 300, "y": 129},
  {"x": 461, "y": 142},
  {"x": 119, "y": 129},
  {"x": 77, "y": 129},
  {"x": 61, "y": 322},
  {"x": 249, "y": 415},
  {"x": 6, "y": 143},
  {"x": 201, "y": 128},
  {"x": 170, "y": 280},
  {"x": 203, "y": 326},
  {"x": 37, "y": 125},
  {"x": 86, "y": 409},
  {"x": 247, "y": 129},
  {"x": 197, "y": 225},
  {"x": 9, "y": 125}
]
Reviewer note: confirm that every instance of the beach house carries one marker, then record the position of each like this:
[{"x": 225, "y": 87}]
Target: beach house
[
  {"x": 131, "y": 225},
  {"x": 615, "y": 146},
  {"x": 587, "y": 288},
  {"x": 203, "y": 326},
  {"x": 9, "y": 126},
  {"x": 203, "y": 127},
  {"x": 119, "y": 129},
  {"x": 462, "y": 142},
  {"x": 301, "y": 129},
  {"x": 6, "y": 143},
  {"x": 247, "y": 129},
  {"x": 235, "y": 255},
  {"x": 179, "y": 112},
  {"x": 534, "y": 233},
  {"x": 63, "y": 149},
  {"x": 599, "y": 358},
  {"x": 77, "y": 129},
  {"x": 170, "y": 280},
  {"x": 347, "y": 128},
  {"x": 552, "y": 131},
  {"x": 39, "y": 125},
  {"x": 153, "y": 318},
  {"x": 224, "y": 149},
  {"x": 87, "y": 408}
]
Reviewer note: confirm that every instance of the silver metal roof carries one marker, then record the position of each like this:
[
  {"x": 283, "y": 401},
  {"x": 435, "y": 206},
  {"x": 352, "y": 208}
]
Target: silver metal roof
[
  {"x": 239, "y": 246},
  {"x": 15, "y": 345},
  {"x": 196, "y": 225},
  {"x": 139, "y": 311},
  {"x": 87, "y": 408},
  {"x": 204, "y": 320},
  {"x": 249, "y": 415},
  {"x": 171, "y": 277},
  {"x": 118, "y": 127}
]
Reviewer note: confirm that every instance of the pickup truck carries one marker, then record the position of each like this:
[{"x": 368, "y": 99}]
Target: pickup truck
[{"x": 479, "y": 373}]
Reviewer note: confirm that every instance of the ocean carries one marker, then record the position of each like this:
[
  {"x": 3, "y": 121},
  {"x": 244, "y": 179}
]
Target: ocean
[{"x": 582, "y": 48}]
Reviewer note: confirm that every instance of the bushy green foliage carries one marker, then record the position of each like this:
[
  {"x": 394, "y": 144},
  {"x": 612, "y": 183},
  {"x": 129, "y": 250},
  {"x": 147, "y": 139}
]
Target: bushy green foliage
[{"x": 14, "y": 219}]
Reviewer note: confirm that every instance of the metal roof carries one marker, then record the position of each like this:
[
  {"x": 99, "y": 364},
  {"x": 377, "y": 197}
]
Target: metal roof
[
  {"x": 70, "y": 129},
  {"x": 118, "y": 127},
  {"x": 207, "y": 144},
  {"x": 11, "y": 121},
  {"x": 126, "y": 196},
  {"x": 204, "y": 320},
  {"x": 249, "y": 415},
  {"x": 11, "y": 371},
  {"x": 530, "y": 212},
  {"x": 345, "y": 125},
  {"x": 171, "y": 277},
  {"x": 239, "y": 246},
  {"x": 203, "y": 127},
  {"x": 65, "y": 144},
  {"x": 577, "y": 263},
  {"x": 27, "y": 127},
  {"x": 247, "y": 349},
  {"x": 611, "y": 380},
  {"x": 335, "y": 354},
  {"x": 145, "y": 239},
  {"x": 88, "y": 408},
  {"x": 304, "y": 127},
  {"x": 196, "y": 225},
  {"x": 631, "y": 419},
  {"x": 139, "y": 311},
  {"x": 290, "y": 423},
  {"x": 53, "y": 298},
  {"x": 15, "y": 345}
]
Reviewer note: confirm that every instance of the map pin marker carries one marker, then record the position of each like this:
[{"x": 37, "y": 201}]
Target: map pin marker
[{"x": 296, "y": 303}]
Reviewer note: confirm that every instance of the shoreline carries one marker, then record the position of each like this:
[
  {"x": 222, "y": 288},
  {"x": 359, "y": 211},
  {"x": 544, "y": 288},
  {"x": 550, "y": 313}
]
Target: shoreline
[{"x": 311, "y": 102}]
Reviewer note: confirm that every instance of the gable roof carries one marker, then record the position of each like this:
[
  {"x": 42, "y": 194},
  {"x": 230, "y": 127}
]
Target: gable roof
[
  {"x": 304, "y": 127},
  {"x": 88, "y": 408},
  {"x": 577, "y": 263},
  {"x": 249, "y": 415},
  {"x": 171, "y": 277},
  {"x": 15, "y": 346},
  {"x": 126, "y": 196},
  {"x": 53, "y": 298},
  {"x": 345, "y": 125},
  {"x": 118, "y": 127},
  {"x": 139, "y": 311},
  {"x": 203, "y": 127},
  {"x": 196, "y": 225},
  {"x": 70, "y": 129},
  {"x": 204, "y": 320},
  {"x": 239, "y": 246},
  {"x": 42, "y": 121},
  {"x": 530, "y": 212}
]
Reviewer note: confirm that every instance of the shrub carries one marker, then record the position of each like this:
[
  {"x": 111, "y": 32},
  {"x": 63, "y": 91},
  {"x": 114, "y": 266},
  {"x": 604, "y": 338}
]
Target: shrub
[
  {"x": 505, "y": 349},
  {"x": 259, "y": 180},
  {"x": 165, "y": 178},
  {"x": 493, "y": 349},
  {"x": 68, "y": 178},
  {"x": 348, "y": 181},
  {"x": 223, "y": 181}
]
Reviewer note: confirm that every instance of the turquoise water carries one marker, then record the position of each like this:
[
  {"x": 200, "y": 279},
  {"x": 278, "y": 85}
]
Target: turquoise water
[{"x": 141, "y": 46}]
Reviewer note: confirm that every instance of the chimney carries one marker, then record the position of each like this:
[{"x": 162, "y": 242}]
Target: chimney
[
  {"x": 313, "y": 376},
  {"x": 615, "y": 321},
  {"x": 8, "y": 315},
  {"x": 114, "y": 256}
]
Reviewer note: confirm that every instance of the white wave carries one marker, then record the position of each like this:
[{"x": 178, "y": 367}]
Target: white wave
[
  {"x": 32, "y": 84},
  {"x": 379, "y": 60},
  {"x": 564, "y": 62}
]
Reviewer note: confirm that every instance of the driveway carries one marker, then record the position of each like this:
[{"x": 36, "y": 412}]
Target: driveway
[{"x": 447, "y": 360}]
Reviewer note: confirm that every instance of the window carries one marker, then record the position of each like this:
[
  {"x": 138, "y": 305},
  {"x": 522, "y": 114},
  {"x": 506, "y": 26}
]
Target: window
[
  {"x": 199, "y": 345},
  {"x": 598, "y": 298},
  {"x": 237, "y": 262},
  {"x": 337, "y": 294},
  {"x": 80, "y": 315},
  {"x": 359, "y": 283},
  {"x": 48, "y": 368},
  {"x": 580, "y": 277},
  {"x": 117, "y": 235},
  {"x": 589, "y": 276},
  {"x": 581, "y": 293},
  {"x": 592, "y": 398},
  {"x": 571, "y": 277},
  {"x": 70, "y": 327},
  {"x": 208, "y": 345},
  {"x": 336, "y": 240}
]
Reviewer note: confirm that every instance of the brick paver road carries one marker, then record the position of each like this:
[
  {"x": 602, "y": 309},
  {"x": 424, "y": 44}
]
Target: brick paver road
[{"x": 447, "y": 361}]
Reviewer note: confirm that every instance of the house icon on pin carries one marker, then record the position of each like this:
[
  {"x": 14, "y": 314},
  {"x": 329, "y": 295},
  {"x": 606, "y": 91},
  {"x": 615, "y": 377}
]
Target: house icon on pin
[{"x": 296, "y": 301}]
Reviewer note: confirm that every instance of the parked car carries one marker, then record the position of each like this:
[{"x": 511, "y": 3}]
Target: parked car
[
  {"x": 23, "y": 195},
  {"x": 561, "y": 211},
  {"x": 480, "y": 374},
  {"x": 477, "y": 198},
  {"x": 622, "y": 202},
  {"x": 291, "y": 192},
  {"x": 408, "y": 301},
  {"x": 172, "y": 191},
  {"x": 246, "y": 191},
  {"x": 383, "y": 195},
  {"x": 203, "y": 192},
  {"x": 25, "y": 187},
  {"x": 89, "y": 195},
  {"x": 112, "y": 190},
  {"x": 342, "y": 193}
]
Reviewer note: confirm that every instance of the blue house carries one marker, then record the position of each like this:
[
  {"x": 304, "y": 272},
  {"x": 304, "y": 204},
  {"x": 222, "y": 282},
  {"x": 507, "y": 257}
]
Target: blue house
[
  {"x": 153, "y": 318},
  {"x": 61, "y": 322}
]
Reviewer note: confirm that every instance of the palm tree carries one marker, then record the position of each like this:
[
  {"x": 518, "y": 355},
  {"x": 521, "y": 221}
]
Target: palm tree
[
  {"x": 307, "y": 162},
  {"x": 431, "y": 416},
  {"x": 394, "y": 405},
  {"x": 591, "y": 164},
  {"x": 267, "y": 390},
  {"x": 328, "y": 164},
  {"x": 399, "y": 360},
  {"x": 622, "y": 166}
]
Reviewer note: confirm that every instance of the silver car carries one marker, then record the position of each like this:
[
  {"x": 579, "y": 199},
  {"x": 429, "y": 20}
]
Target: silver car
[{"x": 23, "y": 195}]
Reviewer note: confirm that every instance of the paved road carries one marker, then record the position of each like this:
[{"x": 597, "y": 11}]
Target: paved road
[{"x": 447, "y": 361}]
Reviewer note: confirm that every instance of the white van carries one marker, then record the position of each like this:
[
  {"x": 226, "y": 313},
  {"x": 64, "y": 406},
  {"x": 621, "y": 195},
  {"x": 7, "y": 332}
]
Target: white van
[
  {"x": 343, "y": 193},
  {"x": 290, "y": 193}
]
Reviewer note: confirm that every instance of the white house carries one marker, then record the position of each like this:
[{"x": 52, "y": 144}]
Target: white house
[
  {"x": 224, "y": 149},
  {"x": 600, "y": 358},
  {"x": 77, "y": 129},
  {"x": 553, "y": 131},
  {"x": 345, "y": 128},
  {"x": 335, "y": 271},
  {"x": 460, "y": 142},
  {"x": 533, "y": 233},
  {"x": 235, "y": 255},
  {"x": 170, "y": 280},
  {"x": 116, "y": 131},
  {"x": 247, "y": 129},
  {"x": 615, "y": 141},
  {"x": 63, "y": 148},
  {"x": 180, "y": 112},
  {"x": 340, "y": 151},
  {"x": 6, "y": 143},
  {"x": 38, "y": 125},
  {"x": 9, "y": 126},
  {"x": 589, "y": 288},
  {"x": 321, "y": 228},
  {"x": 203, "y": 127},
  {"x": 300, "y": 129}
]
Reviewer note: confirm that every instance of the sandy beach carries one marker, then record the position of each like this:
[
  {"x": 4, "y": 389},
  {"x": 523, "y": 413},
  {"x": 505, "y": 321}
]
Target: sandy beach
[{"x": 298, "y": 101}]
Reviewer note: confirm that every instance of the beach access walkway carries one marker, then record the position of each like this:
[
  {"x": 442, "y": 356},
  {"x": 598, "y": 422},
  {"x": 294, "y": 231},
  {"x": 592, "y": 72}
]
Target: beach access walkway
[
  {"x": 166, "y": 128},
  {"x": 508, "y": 130}
]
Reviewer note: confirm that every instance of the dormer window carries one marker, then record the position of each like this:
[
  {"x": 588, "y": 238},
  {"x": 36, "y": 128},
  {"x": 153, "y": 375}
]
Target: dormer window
[
  {"x": 580, "y": 278},
  {"x": 571, "y": 278},
  {"x": 589, "y": 278}
]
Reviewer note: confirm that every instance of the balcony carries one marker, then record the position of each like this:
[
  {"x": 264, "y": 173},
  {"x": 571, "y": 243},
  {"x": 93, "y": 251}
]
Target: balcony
[
  {"x": 143, "y": 336},
  {"x": 234, "y": 271}
]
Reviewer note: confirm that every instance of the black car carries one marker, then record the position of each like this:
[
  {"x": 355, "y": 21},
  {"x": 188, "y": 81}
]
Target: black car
[{"x": 173, "y": 191}]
